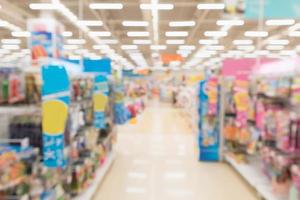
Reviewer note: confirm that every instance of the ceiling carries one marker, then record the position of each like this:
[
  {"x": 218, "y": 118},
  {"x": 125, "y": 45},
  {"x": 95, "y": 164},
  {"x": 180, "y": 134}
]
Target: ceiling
[{"x": 18, "y": 12}]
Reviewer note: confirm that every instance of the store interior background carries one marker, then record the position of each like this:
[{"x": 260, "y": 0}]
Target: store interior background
[{"x": 152, "y": 99}]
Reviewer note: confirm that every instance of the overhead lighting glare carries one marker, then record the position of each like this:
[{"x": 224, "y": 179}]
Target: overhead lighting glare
[
  {"x": 138, "y": 34},
  {"x": 278, "y": 42},
  {"x": 182, "y": 24},
  {"x": 11, "y": 41},
  {"x": 215, "y": 33},
  {"x": 216, "y": 48},
  {"x": 135, "y": 23},
  {"x": 67, "y": 34},
  {"x": 187, "y": 47},
  {"x": 142, "y": 42},
  {"x": 243, "y": 42},
  {"x": 208, "y": 42},
  {"x": 280, "y": 22},
  {"x": 100, "y": 33},
  {"x": 91, "y": 23},
  {"x": 256, "y": 34},
  {"x": 70, "y": 47},
  {"x": 20, "y": 34},
  {"x": 175, "y": 41},
  {"x": 246, "y": 47},
  {"x": 3, "y": 23},
  {"x": 275, "y": 47},
  {"x": 42, "y": 6},
  {"x": 294, "y": 34},
  {"x": 177, "y": 34},
  {"x": 110, "y": 41},
  {"x": 10, "y": 47},
  {"x": 101, "y": 46},
  {"x": 129, "y": 47},
  {"x": 106, "y": 6},
  {"x": 76, "y": 41},
  {"x": 161, "y": 6},
  {"x": 211, "y": 6},
  {"x": 234, "y": 22},
  {"x": 288, "y": 53},
  {"x": 158, "y": 47}
]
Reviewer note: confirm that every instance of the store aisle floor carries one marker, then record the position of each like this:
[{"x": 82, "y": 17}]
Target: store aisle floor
[{"x": 156, "y": 160}]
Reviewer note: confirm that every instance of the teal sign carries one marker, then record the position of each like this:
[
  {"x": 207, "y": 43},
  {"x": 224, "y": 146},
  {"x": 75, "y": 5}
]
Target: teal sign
[{"x": 273, "y": 9}]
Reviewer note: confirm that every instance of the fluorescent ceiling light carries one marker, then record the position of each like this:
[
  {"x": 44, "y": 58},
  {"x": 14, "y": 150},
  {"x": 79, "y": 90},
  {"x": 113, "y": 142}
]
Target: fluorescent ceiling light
[
  {"x": 135, "y": 23},
  {"x": 11, "y": 41},
  {"x": 129, "y": 47},
  {"x": 10, "y": 46},
  {"x": 141, "y": 41},
  {"x": 242, "y": 42},
  {"x": 138, "y": 34},
  {"x": 110, "y": 41},
  {"x": 91, "y": 23},
  {"x": 101, "y": 46},
  {"x": 211, "y": 6},
  {"x": 216, "y": 48},
  {"x": 288, "y": 52},
  {"x": 4, "y": 51},
  {"x": 160, "y": 6},
  {"x": 215, "y": 33},
  {"x": 275, "y": 47},
  {"x": 182, "y": 23},
  {"x": 158, "y": 47},
  {"x": 95, "y": 57},
  {"x": 280, "y": 22},
  {"x": 3, "y": 23},
  {"x": 202, "y": 55},
  {"x": 234, "y": 22},
  {"x": 294, "y": 34},
  {"x": 100, "y": 33},
  {"x": 187, "y": 47},
  {"x": 67, "y": 34},
  {"x": 70, "y": 47},
  {"x": 175, "y": 41},
  {"x": 278, "y": 42},
  {"x": 106, "y": 6},
  {"x": 256, "y": 33},
  {"x": 208, "y": 42},
  {"x": 246, "y": 47},
  {"x": 177, "y": 34},
  {"x": 42, "y": 6},
  {"x": 76, "y": 41},
  {"x": 20, "y": 34}
]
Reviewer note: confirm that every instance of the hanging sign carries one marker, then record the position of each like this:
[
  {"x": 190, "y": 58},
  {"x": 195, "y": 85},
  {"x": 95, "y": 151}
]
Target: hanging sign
[
  {"x": 100, "y": 100},
  {"x": 55, "y": 104}
]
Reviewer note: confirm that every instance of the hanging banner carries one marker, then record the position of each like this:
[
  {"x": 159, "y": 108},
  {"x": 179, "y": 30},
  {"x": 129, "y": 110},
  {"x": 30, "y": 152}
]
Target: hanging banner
[
  {"x": 100, "y": 100},
  {"x": 273, "y": 9},
  {"x": 209, "y": 121},
  {"x": 55, "y": 104}
]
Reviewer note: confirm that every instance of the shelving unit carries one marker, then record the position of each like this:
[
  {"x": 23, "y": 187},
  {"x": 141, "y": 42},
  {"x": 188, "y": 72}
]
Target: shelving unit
[
  {"x": 251, "y": 173},
  {"x": 100, "y": 175}
]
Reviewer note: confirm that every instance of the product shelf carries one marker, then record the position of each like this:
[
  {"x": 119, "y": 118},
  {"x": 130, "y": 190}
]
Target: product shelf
[
  {"x": 100, "y": 174},
  {"x": 251, "y": 173}
]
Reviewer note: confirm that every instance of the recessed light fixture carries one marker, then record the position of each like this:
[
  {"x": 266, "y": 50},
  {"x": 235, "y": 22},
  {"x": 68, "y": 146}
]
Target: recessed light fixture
[
  {"x": 142, "y": 42},
  {"x": 175, "y": 42},
  {"x": 208, "y": 42},
  {"x": 215, "y": 47},
  {"x": 10, "y": 47},
  {"x": 42, "y": 6},
  {"x": 160, "y": 6},
  {"x": 280, "y": 22},
  {"x": 138, "y": 34},
  {"x": 278, "y": 42},
  {"x": 76, "y": 41},
  {"x": 242, "y": 42},
  {"x": 158, "y": 47},
  {"x": 182, "y": 23},
  {"x": 177, "y": 33},
  {"x": 100, "y": 33},
  {"x": 246, "y": 47},
  {"x": 135, "y": 23},
  {"x": 287, "y": 52},
  {"x": 106, "y": 6},
  {"x": 91, "y": 22},
  {"x": 129, "y": 47},
  {"x": 11, "y": 41},
  {"x": 110, "y": 41},
  {"x": 294, "y": 34},
  {"x": 211, "y": 6},
  {"x": 20, "y": 34},
  {"x": 101, "y": 46},
  {"x": 234, "y": 22},
  {"x": 4, "y": 51},
  {"x": 187, "y": 47},
  {"x": 70, "y": 47},
  {"x": 3, "y": 23},
  {"x": 215, "y": 33},
  {"x": 275, "y": 47},
  {"x": 67, "y": 34},
  {"x": 256, "y": 34}
]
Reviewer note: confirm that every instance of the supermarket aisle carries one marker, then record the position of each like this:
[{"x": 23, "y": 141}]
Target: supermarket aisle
[{"x": 156, "y": 161}]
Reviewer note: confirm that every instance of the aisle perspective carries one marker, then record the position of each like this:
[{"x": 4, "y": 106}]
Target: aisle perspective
[{"x": 91, "y": 91}]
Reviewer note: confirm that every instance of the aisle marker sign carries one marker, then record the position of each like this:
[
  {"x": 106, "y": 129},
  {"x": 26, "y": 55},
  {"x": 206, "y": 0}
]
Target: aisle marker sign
[
  {"x": 273, "y": 9},
  {"x": 55, "y": 106}
]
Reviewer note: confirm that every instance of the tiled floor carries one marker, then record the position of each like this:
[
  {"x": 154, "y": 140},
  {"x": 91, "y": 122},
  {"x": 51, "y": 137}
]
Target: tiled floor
[{"x": 156, "y": 160}]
